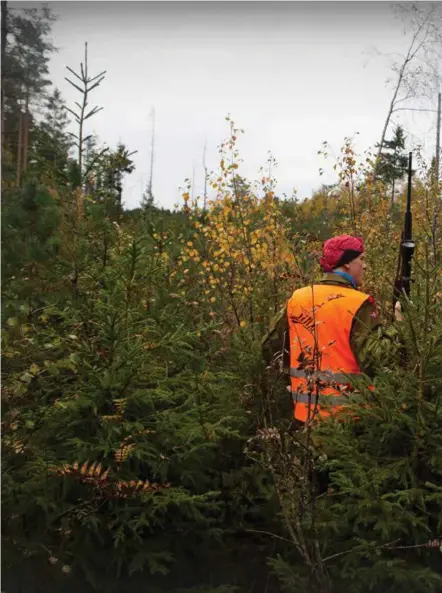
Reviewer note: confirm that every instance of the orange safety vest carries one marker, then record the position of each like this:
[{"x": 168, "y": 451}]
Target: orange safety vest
[{"x": 321, "y": 315}]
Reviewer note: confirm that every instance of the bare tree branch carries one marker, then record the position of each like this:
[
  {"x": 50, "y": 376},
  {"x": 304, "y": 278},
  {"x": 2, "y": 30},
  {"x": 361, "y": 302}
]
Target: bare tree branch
[
  {"x": 424, "y": 39},
  {"x": 414, "y": 109}
]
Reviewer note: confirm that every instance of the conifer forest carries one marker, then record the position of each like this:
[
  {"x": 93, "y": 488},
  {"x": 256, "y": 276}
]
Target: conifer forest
[{"x": 147, "y": 447}]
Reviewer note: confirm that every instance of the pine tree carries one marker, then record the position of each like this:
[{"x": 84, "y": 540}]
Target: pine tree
[
  {"x": 104, "y": 173},
  {"x": 52, "y": 145},
  {"x": 31, "y": 241},
  {"x": 25, "y": 77},
  {"x": 393, "y": 160},
  {"x": 147, "y": 200}
]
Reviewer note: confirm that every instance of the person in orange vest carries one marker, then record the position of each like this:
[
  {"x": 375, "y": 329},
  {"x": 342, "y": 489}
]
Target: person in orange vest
[{"x": 328, "y": 332}]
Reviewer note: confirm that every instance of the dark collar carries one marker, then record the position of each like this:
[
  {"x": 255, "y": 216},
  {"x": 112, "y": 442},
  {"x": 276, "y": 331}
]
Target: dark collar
[{"x": 336, "y": 279}]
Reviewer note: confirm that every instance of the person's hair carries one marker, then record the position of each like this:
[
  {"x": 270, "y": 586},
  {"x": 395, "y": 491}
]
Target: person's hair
[{"x": 348, "y": 256}]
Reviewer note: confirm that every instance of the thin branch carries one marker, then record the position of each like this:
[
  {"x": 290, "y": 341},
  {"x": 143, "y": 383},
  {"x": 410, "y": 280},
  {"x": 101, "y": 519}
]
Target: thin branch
[
  {"x": 339, "y": 554},
  {"x": 95, "y": 85},
  {"x": 413, "y": 109},
  {"x": 74, "y": 73},
  {"x": 409, "y": 95},
  {"x": 98, "y": 76},
  {"x": 436, "y": 543},
  {"x": 73, "y": 113},
  {"x": 92, "y": 112},
  {"x": 271, "y": 535},
  {"x": 74, "y": 85}
]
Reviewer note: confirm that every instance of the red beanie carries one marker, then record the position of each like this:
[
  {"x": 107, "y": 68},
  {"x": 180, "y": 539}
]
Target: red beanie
[{"x": 336, "y": 248}]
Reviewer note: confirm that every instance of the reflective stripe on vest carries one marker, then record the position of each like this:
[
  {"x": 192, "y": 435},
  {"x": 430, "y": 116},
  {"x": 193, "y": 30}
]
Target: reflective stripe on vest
[
  {"x": 324, "y": 375},
  {"x": 311, "y": 399}
]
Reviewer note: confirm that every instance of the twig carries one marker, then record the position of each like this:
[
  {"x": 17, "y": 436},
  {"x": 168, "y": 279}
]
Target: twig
[
  {"x": 338, "y": 554},
  {"x": 271, "y": 535}
]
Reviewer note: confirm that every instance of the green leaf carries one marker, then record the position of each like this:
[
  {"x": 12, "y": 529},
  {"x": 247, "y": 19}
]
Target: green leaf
[
  {"x": 53, "y": 370},
  {"x": 26, "y": 378},
  {"x": 34, "y": 369},
  {"x": 74, "y": 358}
]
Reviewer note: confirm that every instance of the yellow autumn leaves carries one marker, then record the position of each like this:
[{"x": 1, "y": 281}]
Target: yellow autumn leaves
[{"x": 238, "y": 247}]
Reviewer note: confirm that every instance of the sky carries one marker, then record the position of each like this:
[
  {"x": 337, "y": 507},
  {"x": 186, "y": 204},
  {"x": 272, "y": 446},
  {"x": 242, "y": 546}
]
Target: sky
[{"x": 291, "y": 74}]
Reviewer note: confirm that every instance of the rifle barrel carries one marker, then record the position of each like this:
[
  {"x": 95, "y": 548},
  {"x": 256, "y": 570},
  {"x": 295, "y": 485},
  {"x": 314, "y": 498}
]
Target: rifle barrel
[
  {"x": 407, "y": 246},
  {"x": 408, "y": 218}
]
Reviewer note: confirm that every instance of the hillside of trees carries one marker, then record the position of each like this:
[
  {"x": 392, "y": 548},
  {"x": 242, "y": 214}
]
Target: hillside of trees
[{"x": 145, "y": 445}]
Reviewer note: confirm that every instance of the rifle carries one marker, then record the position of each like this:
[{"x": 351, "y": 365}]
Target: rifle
[{"x": 403, "y": 275}]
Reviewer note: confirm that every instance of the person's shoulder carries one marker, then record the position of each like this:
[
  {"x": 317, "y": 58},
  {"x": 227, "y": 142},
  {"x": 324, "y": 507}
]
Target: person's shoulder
[
  {"x": 371, "y": 303},
  {"x": 302, "y": 290},
  {"x": 368, "y": 307}
]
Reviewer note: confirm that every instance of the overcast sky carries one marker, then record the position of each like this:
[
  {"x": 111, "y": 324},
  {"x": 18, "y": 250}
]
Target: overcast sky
[{"x": 292, "y": 74}]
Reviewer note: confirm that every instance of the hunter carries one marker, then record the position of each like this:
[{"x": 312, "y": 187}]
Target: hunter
[{"x": 328, "y": 333}]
